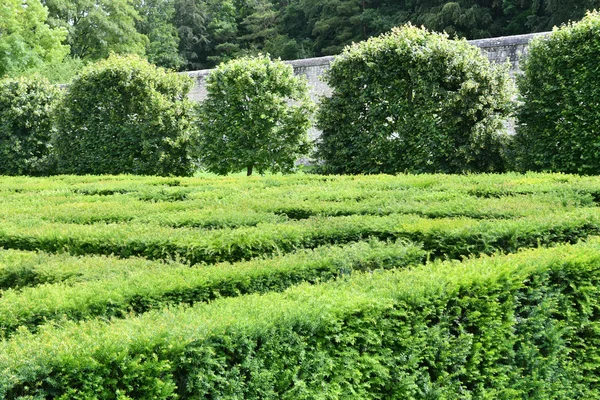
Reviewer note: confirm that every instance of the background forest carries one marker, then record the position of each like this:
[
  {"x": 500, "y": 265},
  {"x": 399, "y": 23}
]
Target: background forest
[{"x": 56, "y": 37}]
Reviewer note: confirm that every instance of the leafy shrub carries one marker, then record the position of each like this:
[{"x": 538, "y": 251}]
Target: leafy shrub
[
  {"x": 59, "y": 72},
  {"x": 256, "y": 116},
  {"x": 413, "y": 100},
  {"x": 123, "y": 115},
  {"x": 26, "y": 125},
  {"x": 560, "y": 113}
]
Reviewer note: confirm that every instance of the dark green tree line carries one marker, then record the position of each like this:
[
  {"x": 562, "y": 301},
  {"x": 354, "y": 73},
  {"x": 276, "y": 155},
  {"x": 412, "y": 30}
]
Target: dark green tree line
[{"x": 198, "y": 34}]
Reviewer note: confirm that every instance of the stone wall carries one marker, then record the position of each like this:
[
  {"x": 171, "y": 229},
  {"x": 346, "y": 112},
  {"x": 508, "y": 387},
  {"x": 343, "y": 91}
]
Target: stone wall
[
  {"x": 510, "y": 48},
  {"x": 497, "y": 49}
]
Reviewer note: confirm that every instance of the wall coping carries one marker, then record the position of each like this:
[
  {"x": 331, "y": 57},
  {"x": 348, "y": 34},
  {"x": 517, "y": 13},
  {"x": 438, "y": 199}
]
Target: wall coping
[
  {"x": 311, "y": 62},
  {"x": 501, "y": 41}
]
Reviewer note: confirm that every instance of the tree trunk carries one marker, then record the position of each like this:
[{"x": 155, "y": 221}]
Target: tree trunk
[{"x": 250, "y": 168}]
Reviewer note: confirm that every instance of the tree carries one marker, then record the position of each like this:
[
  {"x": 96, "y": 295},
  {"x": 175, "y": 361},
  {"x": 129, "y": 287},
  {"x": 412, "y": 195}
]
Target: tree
[
  {"x": 155, "y": 22},
  {"x": 413, "y": 100},
  {"x": 207, "y": 30},
  {"x": 26, "y": 40},
  {"x": 256, "y": 116},
  {"x": 98, "y": 27},
  {"x": 560, "y": 113},
  {"x": 556, "y": 12},
  {"x": 456, "y": 20},
  {"x": 124, "y": 115},
  {"x": 334, "y": 23},
  {"x": 261, "y": 32}
]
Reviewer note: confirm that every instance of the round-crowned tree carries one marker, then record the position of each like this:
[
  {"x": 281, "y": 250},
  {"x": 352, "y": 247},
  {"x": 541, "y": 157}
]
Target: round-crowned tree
[
  {"x": 414, "y": 101},
  {"x": 26, "y": 125},
  {"x": 559, "y": 116},
  {"x": 256, "y": 117},
  {"x": 124, "y": 115}
]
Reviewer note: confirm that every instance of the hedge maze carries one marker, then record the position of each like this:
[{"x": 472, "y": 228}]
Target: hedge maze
[{"x": 304, "y": 286}]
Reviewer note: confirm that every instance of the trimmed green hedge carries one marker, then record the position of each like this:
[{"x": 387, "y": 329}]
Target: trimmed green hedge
[
  {"x": 27, "y": 106},
  {"x": 413, "y": 100},
  {"x": 504, "y": 327},
  {"x": 20, "y": 269},
  {"x": 309, "y": 187},
  {"x": 240, "y": 210},
  {"x": 255, "y": 117},
  {"x": 152, "y": 286},
  {"x": 447, "y": 237},
  {"x": 124, "y": 115},
  {"x": 559, "y": 112}
]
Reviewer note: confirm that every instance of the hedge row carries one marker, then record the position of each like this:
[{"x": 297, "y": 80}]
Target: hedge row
[
  {"x": 19, "y": 269},
  {"x": 413, "y": 100},
  {"x": 244, "y": 210},
  {"x": 155, "y": 286},
  {"x": 558, "y": 116},
  {"x": 308, "y": 185},
  {"x": 448, "y": 237},
  {"x": 518, "y": 326}
]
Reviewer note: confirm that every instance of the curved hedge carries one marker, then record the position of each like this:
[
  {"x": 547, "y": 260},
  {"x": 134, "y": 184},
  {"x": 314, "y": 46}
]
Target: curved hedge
[
  {"x": 559, "y": 120},
  {"x": 521, "y": 326},
  {"x": 123, "y": 115},
  {"x": 413, "y": 100}
]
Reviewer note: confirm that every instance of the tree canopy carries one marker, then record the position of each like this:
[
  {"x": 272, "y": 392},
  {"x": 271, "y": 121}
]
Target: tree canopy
[
  {"x": 26, "y": 39},
  {"x": 98, "y": 27},
  {"x": 199, "y": 34},
  {"x": 256, "y": 116}
]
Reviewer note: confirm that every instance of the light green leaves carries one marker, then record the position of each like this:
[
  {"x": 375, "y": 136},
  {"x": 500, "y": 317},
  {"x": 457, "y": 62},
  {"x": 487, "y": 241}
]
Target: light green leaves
[
  {"x": 560, "y": 111},
  {"x": 26, "y": 125},
  {"x": 26, "y": 40}
]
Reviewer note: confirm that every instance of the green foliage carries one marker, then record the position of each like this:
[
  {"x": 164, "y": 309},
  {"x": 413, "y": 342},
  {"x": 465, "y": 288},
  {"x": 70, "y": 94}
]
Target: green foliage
[
  {"x": 140, "y": 286},
  {"x": 57, "y": 72},
  {"x": 124, "y": 115},
  {"x": 256, "y": 116},
  {"x": 97, "y": 28},
  {"x": 207, "y": 31},
  {"x": 333, "y": 24},
  {"x": 443, "y": 237},
  {"x": 199, "y": 34},
  {"x": 560, "y": 111},
  {"x": 519, "y": 326},
  {"x": 26, "y": 125},
  {"x": 26, "y": 40},
  {"x": 182, "y": 208},
  {"x": 413, "y": 100},
  {"x": 523, "y": 325},
  {"x": 163, "y": 41},
  {"x": 558, "y": 12},
  {"x": 459, "y": 20}
]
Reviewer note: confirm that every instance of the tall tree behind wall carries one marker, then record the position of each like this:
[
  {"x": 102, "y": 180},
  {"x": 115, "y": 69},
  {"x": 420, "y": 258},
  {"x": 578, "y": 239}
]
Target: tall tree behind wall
[
  {"x": 98, "y": 27},
  {"x": 26, "y": 40},
  {"x": 156, "y": 23},
  {"x": 198, "y": 34},
  {"x": 262, "y": 31},
  {"x": 207, "y": 30},
  {"x": 326, "y": 25},
  {"x": 556, "y": 12}
]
